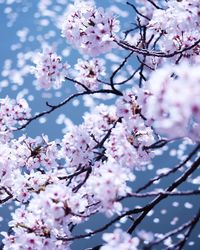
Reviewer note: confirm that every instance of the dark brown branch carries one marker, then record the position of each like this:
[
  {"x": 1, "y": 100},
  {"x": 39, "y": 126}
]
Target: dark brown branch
[
  {"x": 155, "y": 5},
  {"x": 176, "y": 231},
  {"x": 88, "y": 172},
  {"x": 152, "y": 194},
  {"x": 77, "y": 82},
  {"x": 54, "y": 107},
  {"x": 103, "y": 228},
  {"x": 155, "y": 53},
  {"x": 8, "y": 197},
  {"x": 129, "y": 78},
  {"x": 173, "y": 170},
  {"x": 118, "y": 69},
  {"x": 182, "y": 242},
  {"x": 136, "y": 10},
  {"x": 157, "y": 200}
]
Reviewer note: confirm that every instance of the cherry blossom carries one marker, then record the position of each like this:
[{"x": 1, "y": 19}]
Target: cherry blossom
[
  {"x": 89, "y": 72},
  {"x": 179, "y": 24},
  {"x": 12, "y": 112},
  {"x": 48, "y": 215},
  {"x": 49, "y": 71},
  {"x": 169, "y": 112},
  {"x": 100, "y": 119},
  {"x": 33, "y": 153},
  {"x": 121, "y": 240},
  {"x": 105, "y": 190},
  {"x": 89, "y": 29},
  {"x": 132, "y": 133},
  {"x": 77, "y": 147}
]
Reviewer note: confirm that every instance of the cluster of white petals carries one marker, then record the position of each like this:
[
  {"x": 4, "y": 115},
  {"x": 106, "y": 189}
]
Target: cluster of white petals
[
  {"x": 130, "y": 138},
  {"x": 12, "y": 112},
  {"x": 89, "y": 72},
  {"x": 16, "y": 157},
  {"x": 128, "y": 141},
  {"x": 100, "y": 119},
  {"x": 7, "y": 164},
  {"x": 172, "y": 101},
  {"x": 47, "y": 217},
  {"x": 49, "y": 70},
  {"x": 179, "y": 25},
  {"x": 108, "y": 182},
  {"x": 89, "y": 29},
  {"x": 34, "y": 153},
  {"x": 119, "y": 240},
  {"x": 77, "y": 147}
]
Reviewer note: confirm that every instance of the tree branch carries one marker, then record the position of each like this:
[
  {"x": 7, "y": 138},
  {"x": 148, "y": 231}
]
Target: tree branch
[{"x": 157, "y": 200}]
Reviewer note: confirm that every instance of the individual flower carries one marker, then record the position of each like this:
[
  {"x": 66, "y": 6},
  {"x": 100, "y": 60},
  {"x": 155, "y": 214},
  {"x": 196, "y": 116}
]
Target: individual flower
[
  {"x": 89, "y": 29},
  {"x": 49, "y": 70}
]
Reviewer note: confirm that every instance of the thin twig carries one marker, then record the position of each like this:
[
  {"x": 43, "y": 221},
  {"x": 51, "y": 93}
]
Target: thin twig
[
  {"x": 173, "y": 170},
  {"x": 155, "y": 53},
  {"x": 174, "y": 232},
  {"x": 54, "y": 107},
  {"x": 157, "y": 200}
]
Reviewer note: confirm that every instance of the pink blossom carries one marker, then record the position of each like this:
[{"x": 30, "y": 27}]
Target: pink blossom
[
  {"x": 89, "y": 72},
  {"x": 49, "y": 71},
  {"x": 179, "y": 24},
  {"x": 121, "y": 240},
  {"x": 12, "y": 112},
  {"x": 90, "y": 30},
  {"x": 169, "y": 88}
]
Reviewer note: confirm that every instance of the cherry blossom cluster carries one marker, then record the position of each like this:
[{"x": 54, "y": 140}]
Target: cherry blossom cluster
[
  {"x": 179, "y": 25},
  {"x": 119, "y": 240},
  {"x": 9, "y": 173},
  {"x": 7, "y": 164},
  {"x": 89, "y": 29},
  {"x": 34, "y": 153},
  {"x": 47, "y": 217},
  {"x": 128, "y": 141},
  {"x": 27, "y": 155},
  {"x": 129, "y": 138},
  {"x": 77, "y": 147},
  {"x": 165, "y": 100},
  {"x": 89, "y": 72},
  {"x": 107, "y": 183},
  {"x": 49, "y": 70},
  {"x": 100, "y": 119},
  {"x": 12, "y": 112}
]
